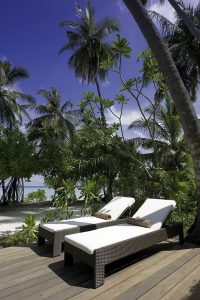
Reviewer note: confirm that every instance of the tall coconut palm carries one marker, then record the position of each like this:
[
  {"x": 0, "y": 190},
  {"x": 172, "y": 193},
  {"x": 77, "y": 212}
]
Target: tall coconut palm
[
  {"x": 55, "y": 122},
  {"x": 182, "y": 44},
  {"x": 171, "y": 146},
  {"x": 183, "y": 14},
  {"x": 184, "y": 106},
  {"x": 11, "y": 107},
  {"x": 86, "y": 39}
]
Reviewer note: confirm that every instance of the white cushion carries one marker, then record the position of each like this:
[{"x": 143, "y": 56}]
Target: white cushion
[
  {"x": 156, "y": 210},
  {"x": 117, "y": 206},
  {"x": 71, "y": 223},
  {"x": 91, "y": 240}
]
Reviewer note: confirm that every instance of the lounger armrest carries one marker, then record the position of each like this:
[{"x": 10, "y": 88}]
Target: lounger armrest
[{"x": 111, "y": 223}]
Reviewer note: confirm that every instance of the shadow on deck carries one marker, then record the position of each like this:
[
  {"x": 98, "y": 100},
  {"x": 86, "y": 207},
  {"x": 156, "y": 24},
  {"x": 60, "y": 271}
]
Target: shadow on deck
[{"x": 165, "y": 271}]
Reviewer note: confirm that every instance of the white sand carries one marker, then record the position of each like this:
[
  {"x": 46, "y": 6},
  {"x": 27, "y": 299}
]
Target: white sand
[{"x": 12, "y": 219}]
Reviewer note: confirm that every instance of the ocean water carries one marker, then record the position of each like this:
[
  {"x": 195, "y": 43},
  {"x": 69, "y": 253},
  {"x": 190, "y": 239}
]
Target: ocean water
[
  {"x": 49, "y": 192},
  {"x": 28, "y": 189}
]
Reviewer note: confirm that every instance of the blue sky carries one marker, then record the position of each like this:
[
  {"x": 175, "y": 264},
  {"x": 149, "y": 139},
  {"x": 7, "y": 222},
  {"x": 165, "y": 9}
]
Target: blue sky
[{"x": 31, "y": 37}]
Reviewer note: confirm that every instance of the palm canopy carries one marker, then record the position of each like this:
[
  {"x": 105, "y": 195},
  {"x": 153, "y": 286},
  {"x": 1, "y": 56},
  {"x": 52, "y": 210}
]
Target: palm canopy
[
  {"x": 184, "y": 47},
  {"x": 55, "y": 122},
  {"x": 86, "y": 38},
  {"x": 11, "y": 107},
  {"x": 171, "y": 146}
]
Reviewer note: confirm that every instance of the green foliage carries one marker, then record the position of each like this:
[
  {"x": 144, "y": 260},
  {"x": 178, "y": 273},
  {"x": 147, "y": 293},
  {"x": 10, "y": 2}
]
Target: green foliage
[
  {"x": 86, "y": 38},
  {"x": 90, "y": 191},
  {"x": 17, "y": 159},
  {"x": 52, "y": 216},
  {"x": 38, "y": 196},
  {"x": 12, "y": 110},
  {"x": 64, "y": 194},
  {"x": 29, "y": 228},
  {"x": 28, "y": 234},
  {"x": 121, "y": 47}
]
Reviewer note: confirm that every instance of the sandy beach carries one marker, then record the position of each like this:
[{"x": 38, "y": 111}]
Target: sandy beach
[{"x": 11, "y": 219}]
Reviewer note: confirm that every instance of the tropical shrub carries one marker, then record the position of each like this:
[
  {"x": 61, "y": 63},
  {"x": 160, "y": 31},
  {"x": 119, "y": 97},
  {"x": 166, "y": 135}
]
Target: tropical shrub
[
  {"x": 52, "y": 216},
  {"x": 28, "y": 234},
  {"x": 36, "y": 196}
]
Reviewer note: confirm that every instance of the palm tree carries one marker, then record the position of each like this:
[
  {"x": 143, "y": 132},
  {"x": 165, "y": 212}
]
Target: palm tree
[
  {"x": 183, "y": 14},
  {"x": 86, "y": 38},
  {"x": 11, "y": 109},
  {"x": 182, "y": 44},
  {"x": 171, "y": 146},
  {"x": 184, "y": 106},
  {"x": 55, "y": 122}
]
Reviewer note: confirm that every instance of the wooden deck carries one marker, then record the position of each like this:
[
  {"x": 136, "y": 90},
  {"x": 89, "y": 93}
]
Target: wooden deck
[{"x": 167, "y": 271}]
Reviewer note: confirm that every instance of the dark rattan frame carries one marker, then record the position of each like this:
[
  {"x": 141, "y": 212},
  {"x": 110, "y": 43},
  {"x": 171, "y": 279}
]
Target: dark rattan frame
[
  {"x": 56, "y": 238},
  {"x": 103, "y": 256}
]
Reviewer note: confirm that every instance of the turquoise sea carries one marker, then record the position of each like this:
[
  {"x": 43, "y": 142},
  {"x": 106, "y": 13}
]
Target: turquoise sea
[{"x": 27, "y": 189}]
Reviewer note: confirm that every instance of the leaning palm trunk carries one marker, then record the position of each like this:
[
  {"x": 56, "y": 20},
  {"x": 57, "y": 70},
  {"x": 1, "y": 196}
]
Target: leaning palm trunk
[
  {"x": 186, "y": 19},
  {"x": 184, "y": 106}
]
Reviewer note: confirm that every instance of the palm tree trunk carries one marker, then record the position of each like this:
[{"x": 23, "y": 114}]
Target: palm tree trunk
[
  {"x": 184, "y": 106},
  {"x": 186, "y": 19},
  {"x": 101, "y": 105},
  {"x": 3, "y": 191},
  {"x": 22, "y": 189}
]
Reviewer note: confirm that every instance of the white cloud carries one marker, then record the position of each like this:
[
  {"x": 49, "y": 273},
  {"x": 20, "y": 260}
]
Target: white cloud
[
  {"x": 127, "y": 118},
  {"x": 166, "y": 9},
  {"x": 120, "y": 5},
  {"x": 36, "y": 180},
  {"x": 106, "y": 83}
]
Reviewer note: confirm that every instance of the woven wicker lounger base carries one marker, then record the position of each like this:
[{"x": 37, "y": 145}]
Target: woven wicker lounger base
[
  {"x": 103, "y": 256},
  {"x": 56, "y": 238}
]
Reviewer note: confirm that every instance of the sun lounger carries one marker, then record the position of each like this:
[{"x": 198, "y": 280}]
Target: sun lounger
[
  {"x": 103, "y": 246},
  {"x": 55, "y": 231}
]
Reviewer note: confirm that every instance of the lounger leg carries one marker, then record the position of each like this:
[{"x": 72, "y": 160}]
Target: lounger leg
[
  {"x": 181, "y": 236},
  {"x": 99, "y": 275},
  {"x": 68, "y": 259},
  {"x": 57, "y": 247},
  {"x": 41, "y": 240}
]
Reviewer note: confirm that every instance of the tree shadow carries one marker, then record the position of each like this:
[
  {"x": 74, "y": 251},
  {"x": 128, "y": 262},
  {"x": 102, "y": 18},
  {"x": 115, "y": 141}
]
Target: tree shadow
[
  {"x": 83, "y": 274},
  {"x": 194, "y": 293}
]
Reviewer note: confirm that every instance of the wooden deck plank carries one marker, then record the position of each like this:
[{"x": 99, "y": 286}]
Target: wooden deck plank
[
  {"x": 181, "y": 290},
  {"x": 17, "y": 253},
  {"x": 15, "y": 258},
  {"x": 5, "y": 251},
  {"x": 132, "y": 287},
  {"x": 29, "y": 273},
  {"x": 63, "y": 290},
  {"x": 18, "y": 288},
  {"x": 32, "y": 291},
  {"x": 24, "y": 264},
  {"x": 161, "y": 289},
  {"x": 22, "y": 273},
  {"x": 25, "y": 278},
  {"x": 137, "y": 290},
  {"x": 140, "y": 265}
]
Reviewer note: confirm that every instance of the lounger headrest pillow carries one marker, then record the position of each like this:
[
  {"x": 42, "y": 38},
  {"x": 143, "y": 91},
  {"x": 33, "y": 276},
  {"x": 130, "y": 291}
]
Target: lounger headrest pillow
[
  {"x": 103, "y": 216},
  {"x": 140, "y": 222}
]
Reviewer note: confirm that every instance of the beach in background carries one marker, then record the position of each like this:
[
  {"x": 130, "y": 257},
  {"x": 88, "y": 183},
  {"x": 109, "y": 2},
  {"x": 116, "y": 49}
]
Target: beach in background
[{"x": 28, "y": 189}]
